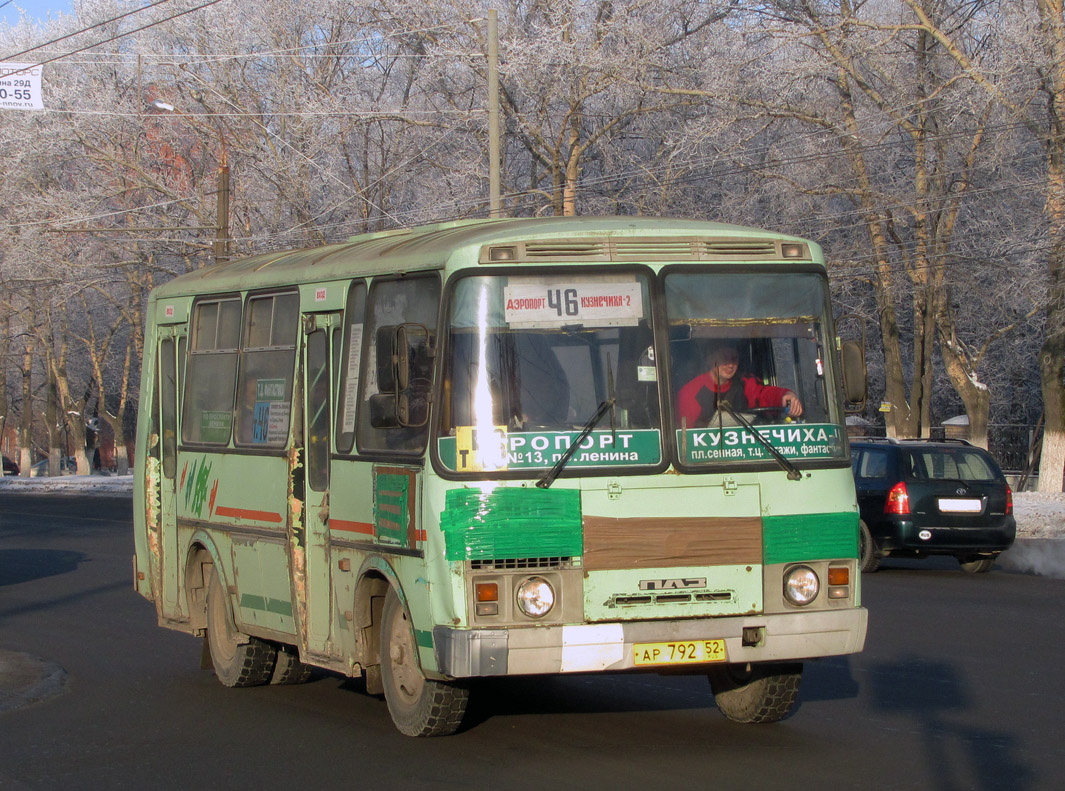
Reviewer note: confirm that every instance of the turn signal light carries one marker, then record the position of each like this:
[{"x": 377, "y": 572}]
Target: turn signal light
[
  {"x": 487, "y": 591},
  {"x": 839, "y": 575},
  {"x": 898, "y": 500}
]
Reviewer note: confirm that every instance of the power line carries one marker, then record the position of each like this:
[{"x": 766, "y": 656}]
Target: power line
[
  {"x": 121, "y": 35},
  {"x": 84, "y": 29}
]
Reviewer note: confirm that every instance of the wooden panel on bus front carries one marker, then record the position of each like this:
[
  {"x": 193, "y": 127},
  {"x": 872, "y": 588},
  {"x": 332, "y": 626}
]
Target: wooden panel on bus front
[{"x": 650, "y": 542}]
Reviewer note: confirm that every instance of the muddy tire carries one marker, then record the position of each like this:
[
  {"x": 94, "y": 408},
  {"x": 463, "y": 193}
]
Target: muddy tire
[
  {"x": 868, "y": 553},
  {"x": 756, "y": 693},
  {"x": 239, "y": 660},
  {"x": 288, "y": 669},
  {"x": 976, "y": 565},
  {"x": 419, "y": 706}
]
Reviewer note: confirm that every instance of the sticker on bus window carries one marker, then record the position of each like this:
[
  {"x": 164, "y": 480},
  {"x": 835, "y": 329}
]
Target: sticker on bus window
[
  {"x": 793, "y": 441},
  {"x": 351, "y": 386},
  {"x": 270, "y": 422},
  {"x": 480, "y": 448},
  {"x": 214, "y": 426},
  {"x": 584, "y": 304},
  {"x": 539, "y": 450}
]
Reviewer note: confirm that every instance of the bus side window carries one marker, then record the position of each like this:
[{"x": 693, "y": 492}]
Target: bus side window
[
  {"x": 167, "y": 370},
  {"x": 268, "y": 358},
  {"x": 207, "y": 415},
  {"x": 411, "y": 300},
  {"x": 348, "y": 390}
]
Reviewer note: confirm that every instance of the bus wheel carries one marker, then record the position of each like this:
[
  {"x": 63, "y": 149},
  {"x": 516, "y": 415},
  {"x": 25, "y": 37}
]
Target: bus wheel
[
  {"x": 756, "y": 693},
  {"x": 868, "y": 554},
  {"x": 419, "y": 706},
  {"x": 288, "y": 669},
  {"x": 239, "y": 660}
]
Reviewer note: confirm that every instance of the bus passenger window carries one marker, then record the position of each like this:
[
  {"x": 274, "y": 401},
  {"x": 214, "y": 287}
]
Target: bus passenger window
[
  {"x": 212, "y": 371},
  {"x": 268, "y": 357}
]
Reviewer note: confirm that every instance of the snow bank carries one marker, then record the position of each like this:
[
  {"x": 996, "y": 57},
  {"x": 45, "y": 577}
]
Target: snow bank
[{"x": 70, "y": 484}]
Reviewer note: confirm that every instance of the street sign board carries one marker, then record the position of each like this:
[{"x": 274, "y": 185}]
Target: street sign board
[{"x": 20, "y": 86}]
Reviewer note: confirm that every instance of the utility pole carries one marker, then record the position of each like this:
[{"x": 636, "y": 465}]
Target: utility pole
[
  {"x": 221, "y": 242},
  {"x": 495, "y": 204}
]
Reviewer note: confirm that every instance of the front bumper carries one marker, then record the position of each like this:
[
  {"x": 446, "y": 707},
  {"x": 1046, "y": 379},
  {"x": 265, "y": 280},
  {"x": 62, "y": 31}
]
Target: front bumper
[{"x": 583, "y": 648}]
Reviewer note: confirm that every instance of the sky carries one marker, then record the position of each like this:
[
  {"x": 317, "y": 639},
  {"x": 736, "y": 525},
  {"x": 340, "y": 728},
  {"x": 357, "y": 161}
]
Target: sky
[{"x": 36, "y": 9}]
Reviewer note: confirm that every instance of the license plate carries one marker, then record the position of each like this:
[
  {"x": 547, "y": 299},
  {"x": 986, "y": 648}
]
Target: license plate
[
  {"x": 679, "y": 653},
  {"x": 951, "y": 505}
]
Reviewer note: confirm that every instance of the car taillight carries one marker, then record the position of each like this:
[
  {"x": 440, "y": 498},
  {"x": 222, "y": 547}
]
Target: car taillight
[
  {"x": 1009, "y": 500},
  {"x": 898, "y": 500}
]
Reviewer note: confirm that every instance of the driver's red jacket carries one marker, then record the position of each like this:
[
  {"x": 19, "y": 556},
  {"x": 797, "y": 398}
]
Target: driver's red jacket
[{"x": 695, "y": 401}]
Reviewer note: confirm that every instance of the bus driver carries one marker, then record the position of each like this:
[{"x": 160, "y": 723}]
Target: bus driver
[{"x": 697, "y": 400}]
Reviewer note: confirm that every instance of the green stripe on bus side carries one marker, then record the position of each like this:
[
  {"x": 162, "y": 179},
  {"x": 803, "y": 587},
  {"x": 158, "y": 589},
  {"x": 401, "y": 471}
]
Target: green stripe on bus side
[
  {"x": 512, "y": 522},
  {"x": 423, "y": 638},
  {"x": 787, "y": 539},
  {"x": 249, "y": 601}
]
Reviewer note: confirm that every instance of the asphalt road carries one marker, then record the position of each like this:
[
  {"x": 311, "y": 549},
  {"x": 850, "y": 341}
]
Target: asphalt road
[{"x": 960, "y": 687}]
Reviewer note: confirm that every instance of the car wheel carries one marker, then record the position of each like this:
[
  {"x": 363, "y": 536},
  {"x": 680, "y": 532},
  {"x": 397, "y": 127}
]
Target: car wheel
[
  {"x": 975, "y": 564},
  {"x": 868, "y": 553}
]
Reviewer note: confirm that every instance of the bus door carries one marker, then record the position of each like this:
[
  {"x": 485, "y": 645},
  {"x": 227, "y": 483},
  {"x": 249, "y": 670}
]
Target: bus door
[
  {"x": 171, "y": 356},
  {"x": 316, "y": 607}
]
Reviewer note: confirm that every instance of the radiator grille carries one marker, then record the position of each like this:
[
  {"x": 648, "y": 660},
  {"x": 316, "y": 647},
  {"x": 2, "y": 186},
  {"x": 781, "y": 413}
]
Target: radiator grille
[{"x": 507, "y": 564}]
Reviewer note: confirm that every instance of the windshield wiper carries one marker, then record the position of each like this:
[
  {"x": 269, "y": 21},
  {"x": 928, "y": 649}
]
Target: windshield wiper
[
  {"x": 791, "y": 469},
  {"x": 604, "y": 407}
]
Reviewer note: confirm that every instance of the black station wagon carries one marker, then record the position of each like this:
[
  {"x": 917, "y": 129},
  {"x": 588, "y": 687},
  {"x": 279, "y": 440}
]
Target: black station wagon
[{"x": 923, "y": 497}]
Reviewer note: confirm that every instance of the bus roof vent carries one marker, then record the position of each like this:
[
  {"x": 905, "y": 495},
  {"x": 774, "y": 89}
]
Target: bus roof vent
[
  {"x": 568, "y": 248},
  {"x": 753, "y": 248},
  {"x": 654, "y": 250},
  {"x": 631, "y": 248}
]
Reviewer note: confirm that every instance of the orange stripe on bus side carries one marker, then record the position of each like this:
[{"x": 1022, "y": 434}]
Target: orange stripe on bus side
[
  {"x": 351, "y": 527},
  {"x": 247, "y": 513}
]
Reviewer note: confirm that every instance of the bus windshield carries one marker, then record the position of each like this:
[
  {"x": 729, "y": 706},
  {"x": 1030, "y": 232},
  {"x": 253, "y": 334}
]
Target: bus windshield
[
  {"x": 531, "y": 358},
  {"x": 750, "y": 348}
]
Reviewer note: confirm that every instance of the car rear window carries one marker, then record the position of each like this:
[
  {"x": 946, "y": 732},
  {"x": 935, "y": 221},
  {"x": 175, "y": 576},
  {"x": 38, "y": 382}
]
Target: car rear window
[
  {"x": 873, "y": 464},
  {"x": 955, "y": 464}
]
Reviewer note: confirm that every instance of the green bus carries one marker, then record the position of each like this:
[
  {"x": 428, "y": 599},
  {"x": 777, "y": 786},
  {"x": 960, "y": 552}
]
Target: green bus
[{"x": 504, "y": 447}]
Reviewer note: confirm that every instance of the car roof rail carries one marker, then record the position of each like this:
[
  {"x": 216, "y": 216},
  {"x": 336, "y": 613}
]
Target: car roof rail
[{"x": 899, "y": 440}]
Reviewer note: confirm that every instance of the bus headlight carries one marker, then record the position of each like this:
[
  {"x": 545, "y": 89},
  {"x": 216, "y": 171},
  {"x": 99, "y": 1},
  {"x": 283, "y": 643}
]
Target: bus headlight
[
  {"x": 801, "y": 585},
  {"x": 536, "y": 597}
]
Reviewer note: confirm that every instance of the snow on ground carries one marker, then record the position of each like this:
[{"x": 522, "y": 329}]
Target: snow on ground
[{"x": 70, "y": 484}]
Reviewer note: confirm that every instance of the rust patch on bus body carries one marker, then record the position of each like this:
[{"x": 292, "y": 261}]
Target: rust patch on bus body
[
  {"x": 635, "y": 543},
  {"x": 297, "y": 548},
  {"x": 152, "y": 522}
]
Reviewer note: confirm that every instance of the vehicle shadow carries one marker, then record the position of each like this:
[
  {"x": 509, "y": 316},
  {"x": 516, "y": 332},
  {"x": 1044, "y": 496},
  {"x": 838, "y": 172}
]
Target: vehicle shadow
[
  {"x": 25, "y": 565},
  {"x": 958, "y": 752}
]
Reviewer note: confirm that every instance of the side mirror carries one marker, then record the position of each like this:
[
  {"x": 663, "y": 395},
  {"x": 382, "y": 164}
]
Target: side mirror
[{"x": 405, "y": 355}]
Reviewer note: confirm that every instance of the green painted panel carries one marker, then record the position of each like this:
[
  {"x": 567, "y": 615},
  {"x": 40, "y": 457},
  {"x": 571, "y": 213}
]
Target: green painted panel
[
  {"x": 250, "y": 601},
  {"x": 788, "y": 539},
  {"x": 512, "y": 522},
  {"x": 423, "y": 638},
  {"x": 390, "y": 509}
]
